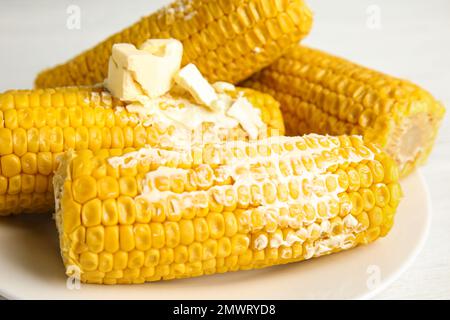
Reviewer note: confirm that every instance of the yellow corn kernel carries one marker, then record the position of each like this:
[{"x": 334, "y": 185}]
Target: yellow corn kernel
[
  {"x": 375, "y": 217},
  {"x": 357, "y": 203},
  {"x": 6, "y": 141},
  {"x": 29, "y": 163},
  {"x": 177, "y": 184},
  {"x": 120, "y": 260},
  {"x": 84, "y": 189},
  {"x": 353, "y": 180},
  {"x": 143, "y": 212},
  {"x": 10, "y": 165},
  {"x": 166, "y": 256},
  {"x": 216, "y": 225},
  {"x": 112, "y": 239},
  {"x": 201, "y": 229},
  {"x": 81, "y": 138},
  {"x": 158, "y": 211},
  {"x": 223, "y": 247},
  {"x": 110, "y": 213},
  {"x": 14, "y": 185},
  {"x": 78, "y": 237},
  {"x": 364, "y": 220},
  {"x": 158, "y": 236},
  {"x": 151, "y": 258},
  {"x": 147, "y": 272},
  {"x": 239, "y": 244},
  {"x": 368, "y": 199},
  {"x": 382, "y": 195},
  {"x": 162, "y": 183},
  {"x": 377, "y": 171},
  {"x": 126, "y": 210},
  {"x": 269, "y": 192},
  {"x": 143, "y": 238},
  {"x": 391, "y": 173},
  {"x": 195, "y": 252},
  {"x": 174, "y": 212},
  {"x": 95, "y": 239},
  {"x": 365, "y": 175},
  {"x": 105, "y": 262},
  {"x": 45, "y": 163},
  {"x": 128, "y": 186},
  {"x": 91, "y": 213},
  {"x": 396, "y": 194},
  {"x": 126, "y": 238},
  {"x": 181, "y": 254},
  {"x": 19, "y": 139},
  {"x": 108, "y": 188},
  {"x": 89, "y": 261},
  {"x": 172, "y": 234},
  {"x": 135, "y": 259},
  {"x": 10, "y": 118},
  {"x": 209, "y": 249},
  {"x": 187, "y": 231}
]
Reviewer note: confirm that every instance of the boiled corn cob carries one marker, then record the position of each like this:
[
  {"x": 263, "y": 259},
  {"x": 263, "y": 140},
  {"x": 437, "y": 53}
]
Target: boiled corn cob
[
  {"x": 38, "y": 125},
  {"x": 325, "y": 94},
  {"x": 227, "y": 39},
  {"x": 159, "y": 214}
]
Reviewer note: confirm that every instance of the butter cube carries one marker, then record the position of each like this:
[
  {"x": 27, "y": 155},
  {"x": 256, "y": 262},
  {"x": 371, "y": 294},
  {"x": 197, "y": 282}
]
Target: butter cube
[
  {"x": 120, "y": 81},
  {"x": 166, "y": 55},
  {"x": 223, "y": 87},
  {"x": 247, "y": 115},
  {"x": 190, "y": 79},
  {"x": 134, "y": 75}
]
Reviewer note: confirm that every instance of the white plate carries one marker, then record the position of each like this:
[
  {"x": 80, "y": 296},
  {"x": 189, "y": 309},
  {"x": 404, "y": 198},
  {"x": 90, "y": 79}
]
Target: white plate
[{"x": 31, "y": 268}]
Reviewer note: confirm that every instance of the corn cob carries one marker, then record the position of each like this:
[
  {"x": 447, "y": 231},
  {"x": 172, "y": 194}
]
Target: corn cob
[
  {"x": 328, "y": 95},
  {"x": 38, "y": 125},
  {"x": 227, "y": 39},
  {"x": 159, "y": 214}
]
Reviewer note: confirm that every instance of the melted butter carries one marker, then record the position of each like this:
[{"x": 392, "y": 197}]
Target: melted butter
[
  {"x": 188, "y": 118},
  {"x": 241, "y": 171},
  {"x": 261, "y": 242}
]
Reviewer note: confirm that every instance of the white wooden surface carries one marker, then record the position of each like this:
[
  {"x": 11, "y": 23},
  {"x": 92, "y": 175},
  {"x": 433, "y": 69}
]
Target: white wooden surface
[{"x": 407, "y": 38}]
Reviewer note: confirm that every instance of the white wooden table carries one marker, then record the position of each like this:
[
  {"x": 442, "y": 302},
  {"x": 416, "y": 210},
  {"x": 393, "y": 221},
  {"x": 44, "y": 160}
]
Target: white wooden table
[{"x": 407, "y": 38}]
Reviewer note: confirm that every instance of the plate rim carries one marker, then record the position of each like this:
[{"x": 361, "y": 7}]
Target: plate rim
[
  {"x": 412, "y": 257},
  {"x": 387, "y": 281}
]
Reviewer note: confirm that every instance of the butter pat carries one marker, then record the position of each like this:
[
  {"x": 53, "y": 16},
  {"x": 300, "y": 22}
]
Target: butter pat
[
  {"x": 120, "y": 81},
  {"x": 134, "y": 75},
  {"x": 223, "y": 87},
  {"x": 190, "y": 79},
  {"x": 222, "y": 103},
  {"x": 166, "y": 61},
  {"x": 247, "y": 115}
]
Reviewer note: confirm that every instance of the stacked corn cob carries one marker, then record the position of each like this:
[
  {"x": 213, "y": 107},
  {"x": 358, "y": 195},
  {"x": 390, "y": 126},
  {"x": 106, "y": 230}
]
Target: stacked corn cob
[
  {"x": 163, "y": 214},
  {"x": 324, "y": 94},
  {"x": 38, "y": 125},
  {"x": 227, "y": 39}
]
